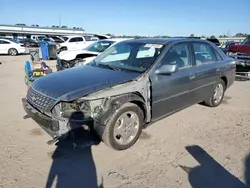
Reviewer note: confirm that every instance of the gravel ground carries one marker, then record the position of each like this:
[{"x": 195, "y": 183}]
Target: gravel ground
[{"x": 197, "y": 147}]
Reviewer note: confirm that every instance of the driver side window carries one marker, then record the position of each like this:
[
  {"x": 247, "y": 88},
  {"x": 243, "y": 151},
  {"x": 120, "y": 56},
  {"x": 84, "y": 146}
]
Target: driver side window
[{"x": 179, "y": 54}]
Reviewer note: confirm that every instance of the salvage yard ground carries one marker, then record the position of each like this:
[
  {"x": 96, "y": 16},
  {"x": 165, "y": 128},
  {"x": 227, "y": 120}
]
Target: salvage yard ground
[{"x": 197, "y": 147}]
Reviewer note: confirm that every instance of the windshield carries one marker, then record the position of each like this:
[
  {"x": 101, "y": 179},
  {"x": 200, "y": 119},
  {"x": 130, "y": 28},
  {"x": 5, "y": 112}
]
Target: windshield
[
  {"x": 131, "y": 56},
  {"x": 99, "y": 46},
  {"x": 246, "y": 41}
]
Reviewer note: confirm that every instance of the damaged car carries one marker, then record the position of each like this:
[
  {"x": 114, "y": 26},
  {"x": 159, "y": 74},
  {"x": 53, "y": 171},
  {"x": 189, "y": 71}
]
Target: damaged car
[
  {"x": 75, "y": 58},
  {"x": 129, "y": 86}
]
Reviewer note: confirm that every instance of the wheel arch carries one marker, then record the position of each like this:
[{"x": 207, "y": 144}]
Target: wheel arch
[
  {"x": 224, "y": 79},
  {"x": 118, "y": 101}
]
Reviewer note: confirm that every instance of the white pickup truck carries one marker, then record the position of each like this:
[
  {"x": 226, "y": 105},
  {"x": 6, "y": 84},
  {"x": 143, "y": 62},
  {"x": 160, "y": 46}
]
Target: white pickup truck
[{"x": 77, "y": 42}]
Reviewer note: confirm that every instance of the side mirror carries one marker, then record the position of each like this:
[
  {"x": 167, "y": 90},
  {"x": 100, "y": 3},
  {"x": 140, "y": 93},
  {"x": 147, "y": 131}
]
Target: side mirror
[{"x": 167, "y": 69}]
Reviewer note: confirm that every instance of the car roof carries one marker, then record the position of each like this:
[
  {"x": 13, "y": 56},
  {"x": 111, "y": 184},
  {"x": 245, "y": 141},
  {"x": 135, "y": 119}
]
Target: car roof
[
  {"x": 70, "y": 36},
  {"x": 165, "y": 40}
]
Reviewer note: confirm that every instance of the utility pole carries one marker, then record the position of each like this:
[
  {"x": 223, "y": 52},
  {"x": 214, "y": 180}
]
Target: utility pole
[{"x": 59, "y": 20}]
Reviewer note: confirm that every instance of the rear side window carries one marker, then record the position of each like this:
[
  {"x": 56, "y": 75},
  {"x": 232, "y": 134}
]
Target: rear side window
[
  {"x": 79, "y": 39},
  {"x": 203, "y": 53},
  {"x": 73, "y": 40},
  {"x": 4, "y": 42},
  {"x": 76, "y": 39}
]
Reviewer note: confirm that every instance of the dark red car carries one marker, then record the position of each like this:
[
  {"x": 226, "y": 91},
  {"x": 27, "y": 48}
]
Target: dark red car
[{"x": 241, "y": 53}]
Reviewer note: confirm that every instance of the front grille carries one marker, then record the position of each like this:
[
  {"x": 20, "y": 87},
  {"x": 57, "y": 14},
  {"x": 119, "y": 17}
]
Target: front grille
[
  {"x": 241, "y": 56},
  {"x": 40, "y": 101}
]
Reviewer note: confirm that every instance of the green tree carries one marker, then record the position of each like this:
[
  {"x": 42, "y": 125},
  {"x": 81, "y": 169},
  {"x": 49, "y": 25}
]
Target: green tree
[
  {"x": 192, "y": 35},
  {"x": 64, "y": 26}
]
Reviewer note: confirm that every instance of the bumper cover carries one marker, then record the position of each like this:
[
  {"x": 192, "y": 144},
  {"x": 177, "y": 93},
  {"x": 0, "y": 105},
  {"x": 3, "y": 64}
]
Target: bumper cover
[
  {"x": 47, "y": 123},
  {"x": 56, "y": 128}
]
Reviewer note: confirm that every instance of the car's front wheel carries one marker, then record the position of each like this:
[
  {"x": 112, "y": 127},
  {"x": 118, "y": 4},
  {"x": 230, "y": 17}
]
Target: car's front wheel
[
  {"x": 218, "y": 94},
  {"x": 124, "y": 127},
  {"x": 12, "y": 51}
]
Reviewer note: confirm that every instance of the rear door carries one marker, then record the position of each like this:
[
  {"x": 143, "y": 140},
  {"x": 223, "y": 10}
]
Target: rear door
[
  {"x": 171, "y": 93},
  {"x": 206, "y": 71}
]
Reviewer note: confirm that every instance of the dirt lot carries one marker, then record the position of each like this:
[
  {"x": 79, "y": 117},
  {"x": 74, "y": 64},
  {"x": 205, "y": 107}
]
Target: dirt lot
[{"x": 197, "y": 147}]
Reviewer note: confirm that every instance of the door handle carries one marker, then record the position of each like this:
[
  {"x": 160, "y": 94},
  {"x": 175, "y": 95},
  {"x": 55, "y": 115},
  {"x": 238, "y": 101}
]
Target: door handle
[{"x": 191, "y": 77}]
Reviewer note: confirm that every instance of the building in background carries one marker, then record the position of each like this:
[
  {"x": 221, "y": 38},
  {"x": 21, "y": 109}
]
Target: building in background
[{"x": 19, "y": 31}]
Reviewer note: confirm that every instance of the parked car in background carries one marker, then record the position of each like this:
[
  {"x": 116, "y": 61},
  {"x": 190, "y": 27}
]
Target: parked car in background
[
  {"x": 241, "y": 48},
  {"x": 57, "y": 39},
  {"x": 28, "y": 42},
  {"x": 241, "y": 53},
  {"x": 225, "y": 47},
  {"x": 11, "y": 47},
  {"x": 74, "y": 43},
  {"x": 214, "y": 40},
  {"x": 73, "y": 58},
  {"x": 78, "y": 42},
  {"x": 46, "y": 40},
  {"x": 37, "y": 37},
  {"x": 131, "y": 84}
]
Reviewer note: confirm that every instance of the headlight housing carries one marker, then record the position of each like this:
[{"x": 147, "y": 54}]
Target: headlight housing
[
  {"x": 70, "y": 109},
  {"x": 81, "y": 108},
  {"x": 79, "y": 63}
]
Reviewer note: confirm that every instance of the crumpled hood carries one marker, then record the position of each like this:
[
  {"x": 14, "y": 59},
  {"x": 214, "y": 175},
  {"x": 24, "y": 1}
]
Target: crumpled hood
[
  {"x": 71, "y": 54},
  {"x": 77, "y": 82}
]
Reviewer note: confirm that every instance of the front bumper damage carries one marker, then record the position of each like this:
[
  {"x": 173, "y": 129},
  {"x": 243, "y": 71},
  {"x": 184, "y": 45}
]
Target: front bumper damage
[{"x": 56, "y": 128}]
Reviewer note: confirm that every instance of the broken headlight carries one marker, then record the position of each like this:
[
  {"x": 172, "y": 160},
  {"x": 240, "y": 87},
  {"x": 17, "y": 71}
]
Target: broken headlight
[
  {"x": 72, "y": 109},
  {"x": 88, "y": 108}
]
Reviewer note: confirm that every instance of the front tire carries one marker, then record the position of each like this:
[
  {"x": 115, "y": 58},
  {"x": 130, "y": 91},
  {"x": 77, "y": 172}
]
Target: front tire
[
  {"x": 218, "y": 94},
  {"x": 124, "y": 127},
  {"x": 12, "y": 52}
]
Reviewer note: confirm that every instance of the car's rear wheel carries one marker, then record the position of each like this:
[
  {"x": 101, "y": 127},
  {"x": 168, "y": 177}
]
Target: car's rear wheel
[
  {"x": 124, "y": 127},
  {"x": 12, "y": 51},
  {"x": 218, "y": 94}
]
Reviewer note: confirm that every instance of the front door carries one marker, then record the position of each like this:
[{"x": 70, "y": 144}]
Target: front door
[{"x": 171, "y": 93}]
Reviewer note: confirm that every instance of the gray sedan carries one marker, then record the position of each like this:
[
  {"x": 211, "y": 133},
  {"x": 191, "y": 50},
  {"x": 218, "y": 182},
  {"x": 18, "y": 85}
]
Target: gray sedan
[{"x": 129, "y": 86}]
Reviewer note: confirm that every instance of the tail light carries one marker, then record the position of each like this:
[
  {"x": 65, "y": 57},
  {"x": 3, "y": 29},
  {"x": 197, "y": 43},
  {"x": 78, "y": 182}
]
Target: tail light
[
  {"x": 234, "y": 66},
  {"x": 22, "y": 45}
]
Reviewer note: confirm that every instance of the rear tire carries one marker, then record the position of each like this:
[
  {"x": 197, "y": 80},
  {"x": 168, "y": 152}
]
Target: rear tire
[
  {"x": 12, "y": 52},
  {"x": 217, "y": 95},
  {"x": 124, "y": 127}
]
